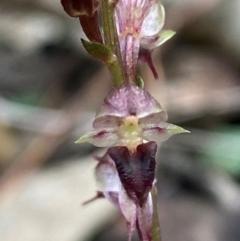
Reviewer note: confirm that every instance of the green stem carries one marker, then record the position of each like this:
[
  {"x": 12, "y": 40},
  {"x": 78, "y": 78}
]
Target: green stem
[
  {"x": 156, "y": 231},
  {"x": 111, "y": 39}
]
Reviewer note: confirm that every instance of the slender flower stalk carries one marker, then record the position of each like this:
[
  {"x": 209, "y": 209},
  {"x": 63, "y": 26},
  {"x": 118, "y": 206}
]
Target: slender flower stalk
[
  {"x": 130, "y": 121},
  {"x": 155, "y": 230},
  {"x": 111, "y": 38}
]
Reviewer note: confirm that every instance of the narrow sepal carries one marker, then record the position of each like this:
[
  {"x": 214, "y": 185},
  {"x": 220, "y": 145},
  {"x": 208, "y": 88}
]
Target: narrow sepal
[
  {"x": 161, "y": 132},
  {"x": 164, "y": 36},
  {"x": 129, "y": 211},
  {"x": 144, "y": 218},
  {"x": 151, "y": 43}
]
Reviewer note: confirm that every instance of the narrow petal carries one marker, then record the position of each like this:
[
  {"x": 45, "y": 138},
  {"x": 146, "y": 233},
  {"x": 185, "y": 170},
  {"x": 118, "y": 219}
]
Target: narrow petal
[
  {"x": 129, "y": 100},
  {"x": 144, "y": 219},
  {"x": 100, "y": 138},
  {"x": 153, "y": 119},
  {"x": 129, "y": 211},
  {"x": 107, "y": 121},
  {"x": 161, "y": 132},
  {"x": 135, "y": 169},
  {"x": 130, "y": 57}
]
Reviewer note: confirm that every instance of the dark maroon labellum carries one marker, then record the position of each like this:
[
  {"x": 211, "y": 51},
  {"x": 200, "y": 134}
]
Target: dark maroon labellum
[{"x": 136, "y": 170}]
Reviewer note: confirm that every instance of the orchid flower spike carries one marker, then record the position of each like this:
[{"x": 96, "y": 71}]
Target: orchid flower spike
[{"x": 130, "y": 121}]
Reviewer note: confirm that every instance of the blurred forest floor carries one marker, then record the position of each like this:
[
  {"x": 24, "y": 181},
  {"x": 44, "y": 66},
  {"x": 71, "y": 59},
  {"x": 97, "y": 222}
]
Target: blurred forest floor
[{"x": 50, "y": 90}]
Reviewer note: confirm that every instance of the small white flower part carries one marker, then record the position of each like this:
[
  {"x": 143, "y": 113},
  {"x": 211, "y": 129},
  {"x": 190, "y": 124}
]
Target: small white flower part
[{"x": 153, "y": 21}]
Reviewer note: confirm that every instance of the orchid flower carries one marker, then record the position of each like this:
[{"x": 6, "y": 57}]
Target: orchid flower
[
  {"x": 128, "y": 117},
  {"x": 131, "y": 120},
  {"x": 139, "y": 24},
  {"x": 129, "y": 190}
]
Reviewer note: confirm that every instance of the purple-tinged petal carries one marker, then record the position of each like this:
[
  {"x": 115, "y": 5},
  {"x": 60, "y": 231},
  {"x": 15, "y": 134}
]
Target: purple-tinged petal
[
  {"x": 107, "y": 179},
  {"x": 161, "y": 132},
  {"x": 153, "y": 119},
  {"x": 100, "y": 137},
  {"x": 144, "y": 219},
  {"x": 135, "y": 169},
  {"x": 130, "y": 15},
  {"x": 106, "y": 175},
  {"x": 112, "y": 197},
  {"x": 130, "y": 57},
  {"x": 107, "y": 121},
  {"x": 129, "y": 211},
  {"x": 129, "y": 100}
]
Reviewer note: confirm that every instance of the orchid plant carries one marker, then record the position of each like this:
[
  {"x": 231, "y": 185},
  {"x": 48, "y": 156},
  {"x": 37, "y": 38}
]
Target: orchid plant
[{"x": 130, "y": 122}]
